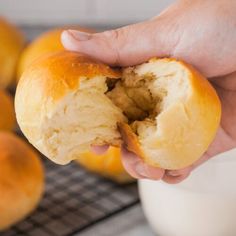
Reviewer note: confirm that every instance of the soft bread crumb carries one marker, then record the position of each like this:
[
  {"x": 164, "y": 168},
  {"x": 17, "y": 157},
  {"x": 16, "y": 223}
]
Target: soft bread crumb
[
  {"x": 147, "y": 90},
  {"x": 172, "y": 87},
  {"x": 124, "y": 98},
  {"x": 154, "y": 89},
  {"x": 82, "y": 118}
]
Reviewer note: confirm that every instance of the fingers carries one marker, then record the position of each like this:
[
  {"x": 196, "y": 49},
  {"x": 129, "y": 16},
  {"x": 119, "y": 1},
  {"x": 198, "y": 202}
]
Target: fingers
[
  {"x": 227, "y": 82},
  {"x": 126, "y": 46},
  {"x": 130, "y": 161},
  {"x": 138, "y": 169},
  {"x": 177, "y": 176},
  {"x": 174, "y": 177}
]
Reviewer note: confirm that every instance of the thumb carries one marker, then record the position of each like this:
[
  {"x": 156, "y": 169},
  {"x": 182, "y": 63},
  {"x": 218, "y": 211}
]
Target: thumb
[{"x": 125, "y": 46}]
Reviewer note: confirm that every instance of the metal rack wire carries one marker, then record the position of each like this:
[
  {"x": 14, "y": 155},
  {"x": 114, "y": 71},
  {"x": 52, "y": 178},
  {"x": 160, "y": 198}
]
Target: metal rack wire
[{"x": 74, "y": 200}]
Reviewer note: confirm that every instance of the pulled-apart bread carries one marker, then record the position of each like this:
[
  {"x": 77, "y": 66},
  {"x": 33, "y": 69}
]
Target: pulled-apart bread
[{"x": 165, "y": 111}]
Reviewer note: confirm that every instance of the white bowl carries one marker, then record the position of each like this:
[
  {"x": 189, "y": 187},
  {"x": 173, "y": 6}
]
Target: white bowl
[{"x": 202, "y": 205}]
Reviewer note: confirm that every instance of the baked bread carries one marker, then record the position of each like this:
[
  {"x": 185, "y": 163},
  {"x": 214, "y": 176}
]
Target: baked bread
[
  {"x": 47, "y": 42},
  {"x": 68, "y": 109},
  {"x": 7, "y": 112},
  {"x": 166, "y": 111},
  {"x": 183, "y": 120},
  {"x": 21, "y": 180},
  {"x": 11, "y": 44},
  {"x": 108, "y": 165}
]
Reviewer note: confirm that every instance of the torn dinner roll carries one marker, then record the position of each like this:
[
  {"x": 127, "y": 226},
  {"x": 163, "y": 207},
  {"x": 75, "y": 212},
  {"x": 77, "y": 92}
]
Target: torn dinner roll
[
  {"x": 180, "y": 116},
  {"x": 68, "y": 110},
  {"x": 166, "y": 112}
]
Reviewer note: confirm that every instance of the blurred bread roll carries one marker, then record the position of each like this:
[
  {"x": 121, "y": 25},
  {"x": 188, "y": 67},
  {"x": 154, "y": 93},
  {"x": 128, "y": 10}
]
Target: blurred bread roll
[
  {"x": 47, "y": 42},
  {"x": 167, "y": 112},
  {"x": 21, "y": 180},
  {"x": 7, "y": 112},
  {"x": 11, "y": 44},
  {"x": 108, "y": 165}
]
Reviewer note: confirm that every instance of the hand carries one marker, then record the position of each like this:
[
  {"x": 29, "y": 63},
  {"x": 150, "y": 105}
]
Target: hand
[{"x": 203, "y": 33}]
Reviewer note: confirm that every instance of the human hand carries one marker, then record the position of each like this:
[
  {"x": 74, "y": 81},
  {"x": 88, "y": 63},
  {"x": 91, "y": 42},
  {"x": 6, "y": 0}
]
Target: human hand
[{"x": 202, "y": 33}]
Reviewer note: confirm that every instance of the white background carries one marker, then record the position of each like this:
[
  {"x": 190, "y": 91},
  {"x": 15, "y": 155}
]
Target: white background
[{"x": 94, "y": 12}]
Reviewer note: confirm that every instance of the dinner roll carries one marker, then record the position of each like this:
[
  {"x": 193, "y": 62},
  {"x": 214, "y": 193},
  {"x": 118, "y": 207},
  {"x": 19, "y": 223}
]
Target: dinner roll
[
  {"x": 21, "y": 180},
  {"x": 11, "y": 44},
  {"x": 182, "y": 109},
  {"x": 68, "y": 109},
  {"x": 47, "y": 42},
  {"x": 108, "y": 165},
  {"x": 167, "y": 113},
  {"x": 7, "y": 113}
]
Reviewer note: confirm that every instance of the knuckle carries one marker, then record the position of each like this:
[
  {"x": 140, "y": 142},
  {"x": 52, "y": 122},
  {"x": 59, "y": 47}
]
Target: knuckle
[
  {"x": 112, "y": 34},
  {"x": 115, "y": 39}
]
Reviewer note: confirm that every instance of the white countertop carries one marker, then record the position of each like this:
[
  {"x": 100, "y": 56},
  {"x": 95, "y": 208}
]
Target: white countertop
[{"x": 130, "y": 222}]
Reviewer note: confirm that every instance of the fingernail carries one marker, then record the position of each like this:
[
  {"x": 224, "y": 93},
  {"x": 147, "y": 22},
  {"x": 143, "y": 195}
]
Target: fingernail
[
  {"x": 140, "y": 169},
  {"x": 79, "y": 35},
  {"x": 173, "y": 173}
]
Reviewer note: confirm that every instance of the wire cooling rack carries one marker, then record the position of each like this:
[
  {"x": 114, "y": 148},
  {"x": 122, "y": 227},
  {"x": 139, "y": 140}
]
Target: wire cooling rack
[{"x": 74, "y": 200}]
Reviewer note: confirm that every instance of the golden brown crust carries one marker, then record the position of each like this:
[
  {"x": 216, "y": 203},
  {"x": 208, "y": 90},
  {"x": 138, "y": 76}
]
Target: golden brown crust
[
  {"x": 11, "y": 44},
  {"x": 130, "y": 139},
  {"x": 7, "y": 116},
  {"x": 202, "y": 110},
  {"x": 61, "y": 71},
  {"x": 132, "y": 143},
  {"x": 45, "y": 83},
  {"x": 48, "y": 42},
  {"x": 21, "y": 179}
]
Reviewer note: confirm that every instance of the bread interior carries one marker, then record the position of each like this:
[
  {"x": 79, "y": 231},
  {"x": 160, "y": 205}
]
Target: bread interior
[
  {"x": 89, "y": 115},
  {"x": 82, "y": 118},
  {"x": 147, "y": 92}
]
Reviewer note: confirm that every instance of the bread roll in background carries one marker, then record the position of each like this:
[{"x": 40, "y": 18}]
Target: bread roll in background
[
  {"x": 108, "y": 165},
  {"x": 21, "y": 180},
  {"x": 7, "y": 112},
  {"x": 47, "y": 42},
  {"x": 167, "y": 112},
  {"x": 11, "y": 45}
]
